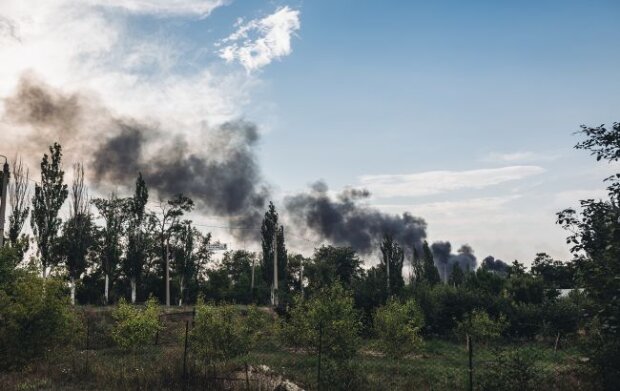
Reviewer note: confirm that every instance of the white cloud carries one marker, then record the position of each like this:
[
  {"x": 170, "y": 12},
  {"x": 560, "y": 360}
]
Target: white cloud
[
  {"x": 494, "y": 225},
  {"x": 201, "y": 8},
  {"x": 436, "y": 182},
  {"x": 519, "y": 156},
  {"x": 258, "y": 42},
  {"x": 81, "y": 47}
]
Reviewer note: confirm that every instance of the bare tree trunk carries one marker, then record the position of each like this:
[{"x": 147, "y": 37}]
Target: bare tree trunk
[
  {"x": 181, "y": 290},
  {"x": 72, "y": 291},
  {"x": 133, "y": 290},
  {"x": 106, "y": 289}
]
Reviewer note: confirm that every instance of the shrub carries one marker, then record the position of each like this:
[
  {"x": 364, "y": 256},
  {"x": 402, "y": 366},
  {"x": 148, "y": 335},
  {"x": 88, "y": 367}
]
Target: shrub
[
  {"x": 480, "y": 326},
  {"x": 135, "y": 327},
  {"x": 327, "y": 319},
  {"x": 35, "y": 318},
  {"x": 221, "y": 333},
  {"x": 512, "y": 370},
  {"x": 397, "y": 326}
]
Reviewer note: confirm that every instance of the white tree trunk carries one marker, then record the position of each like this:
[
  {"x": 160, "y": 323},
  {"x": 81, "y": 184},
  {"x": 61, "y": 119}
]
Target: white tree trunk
[
  {"x": 72, "y": 291},
  {"x": 105, "y": 295},
  {"x": 181, "y": 287},
  {"x": 133, "y": 290}
]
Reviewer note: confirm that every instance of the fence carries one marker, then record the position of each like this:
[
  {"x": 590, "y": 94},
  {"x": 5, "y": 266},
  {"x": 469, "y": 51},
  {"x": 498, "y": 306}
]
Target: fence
[{"x": 175, "y": 334}]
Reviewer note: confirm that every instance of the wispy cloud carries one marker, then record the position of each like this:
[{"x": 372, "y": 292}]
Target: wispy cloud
[
  {"x": 436, "y": 182},
  {"x": 519, "y": 156},
  {"x": 258, "y": 42},
  {"x": 200, "y": 8}
]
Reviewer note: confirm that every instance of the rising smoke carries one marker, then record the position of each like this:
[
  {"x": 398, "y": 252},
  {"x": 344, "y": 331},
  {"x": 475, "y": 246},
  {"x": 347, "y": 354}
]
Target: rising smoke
[
  {"x": 218, "y": 170},
  {"x": 221, "y": 174},
  {"x": 495, "y": 265},
  {"x": 445, "y": 259},
  {"x": 346, "y": 221}
]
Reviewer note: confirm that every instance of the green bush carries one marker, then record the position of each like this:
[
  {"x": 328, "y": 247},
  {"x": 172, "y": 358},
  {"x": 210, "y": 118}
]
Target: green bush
[
  {"x": 397, "y": 326},
  {"x": 512, "y": 370},
  {"x": 35, "y": 318},
  {"x": 480, "y": 326},
  {"x": 222, "y": 332},
  {"x": 135, "y": 327},
  {"x": 328, "y": 320}
]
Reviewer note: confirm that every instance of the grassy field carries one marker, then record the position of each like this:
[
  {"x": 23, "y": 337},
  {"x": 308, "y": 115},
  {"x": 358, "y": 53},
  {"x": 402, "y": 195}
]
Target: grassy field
[{"x": 439, "y": 364}]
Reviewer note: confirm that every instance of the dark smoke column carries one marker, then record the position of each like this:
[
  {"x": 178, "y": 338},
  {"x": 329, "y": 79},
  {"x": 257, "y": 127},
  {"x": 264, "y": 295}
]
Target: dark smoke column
[{"x": 345, "y": 221}]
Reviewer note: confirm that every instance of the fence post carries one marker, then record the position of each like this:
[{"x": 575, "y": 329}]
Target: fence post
[
  {"x": 318, "y": 375},
  {"x": 185, "y": 352},
  {"x": 470, "y": 351}
]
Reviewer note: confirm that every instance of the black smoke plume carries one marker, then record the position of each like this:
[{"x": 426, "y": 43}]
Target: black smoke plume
[
  {"x": 495, "y": 265},
  {"x": 445, "y": 259},
  {"x": 228, "y": 183},
  {"x": 345, "y": 221},
  {"x": 219, "y": 170}
]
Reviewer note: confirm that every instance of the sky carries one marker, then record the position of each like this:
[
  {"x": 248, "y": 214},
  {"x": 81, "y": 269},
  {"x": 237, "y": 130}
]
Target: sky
[{"x": 462, "y": 113}]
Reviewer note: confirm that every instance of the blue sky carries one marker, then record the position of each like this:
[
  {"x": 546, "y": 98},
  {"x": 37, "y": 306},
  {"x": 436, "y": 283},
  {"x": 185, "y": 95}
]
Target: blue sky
[{"x": 460, "y": 112}]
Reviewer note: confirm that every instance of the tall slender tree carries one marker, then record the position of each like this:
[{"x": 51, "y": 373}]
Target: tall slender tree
[
  {"x": 417, "y": 266},
  {"x": 185, "y": 258},
  {"x": 137, "y": 240},
  {"x": 270, "y": 231},
  {"x": 78, "y": 236},
  {"x": 392, "y": 261},
  {"x": 168, "y": 222},
  {"x": 49, "y": 196},
  {"x": 112, "y": 210},
  {"x": 429, "y": 270},
  {"x": 18, "y": 196}
]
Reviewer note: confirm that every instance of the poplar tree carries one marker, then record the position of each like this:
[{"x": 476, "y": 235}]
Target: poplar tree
[
  {"x": 49, "y": 196},
  {"x": 270, "y": 230},
  {"x": 137, "y": 235},
  {"x": 430, "y": 272},
  {"x": 18, "y": 196},
  {"x": 77, "y": 237},
  {"x": 112, "y": 210},
  {"x": 392, "y": 261}
]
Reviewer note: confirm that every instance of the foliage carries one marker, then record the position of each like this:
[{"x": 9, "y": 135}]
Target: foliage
[
  {"x": 554, "y": 273},
  {"x": 326, "y": 321},
  {"x": 138, "y": 240},
  {"x": 18, "y": 195},
  {"x": 595, "y": 239},
  {"x": 238, "y": 266},
  {"x": 397, "y": 326},
  {"x": 430, "y": 274},
  {"x": 561, "y": 316},
  {"x": 480, "y": 326},
  {"x": 221, "y": 333},
  {"x": 513, "y": 369},
  {"x": 34, "y": 315},
  {"x": 270, "y": 230},
  {"x": 457, "y": 277},
  {"x": 332, "y": 264},
  {"x": 112, "y": 210},
  {"x": 135, "y": 327},
  {"x": 46, "y": 203},
  {"x": 524, "y": 288},
  {"x": 392, "y": 259}
]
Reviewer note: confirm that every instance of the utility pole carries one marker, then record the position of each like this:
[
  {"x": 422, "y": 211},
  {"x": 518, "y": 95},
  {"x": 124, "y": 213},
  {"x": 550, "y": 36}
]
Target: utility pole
[{"x": 5, "y": 196}]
